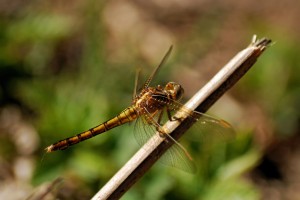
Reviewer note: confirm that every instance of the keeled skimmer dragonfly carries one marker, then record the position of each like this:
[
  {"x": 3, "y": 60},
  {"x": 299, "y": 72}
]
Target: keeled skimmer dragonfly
[{"x": 149, "y": 107}]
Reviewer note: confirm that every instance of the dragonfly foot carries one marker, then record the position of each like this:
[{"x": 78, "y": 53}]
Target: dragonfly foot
[
  {"x": 162, "y": 134},
  {"x": 174, "y": 118}
]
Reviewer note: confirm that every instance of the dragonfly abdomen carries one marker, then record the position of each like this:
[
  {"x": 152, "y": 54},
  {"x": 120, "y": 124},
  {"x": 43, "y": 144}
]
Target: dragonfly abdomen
[{"x": 127, "y": 115}]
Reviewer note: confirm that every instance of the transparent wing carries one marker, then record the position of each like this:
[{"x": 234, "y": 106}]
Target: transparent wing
[
  {"x": 204, "y": 129},
  {"x": 148, "y": 81},
  {"x": 143, "y": 131},
  {"x": 205, "y": 125},
  {"x": 207, "y": 128},
  {"x": 175, "y": 156}
]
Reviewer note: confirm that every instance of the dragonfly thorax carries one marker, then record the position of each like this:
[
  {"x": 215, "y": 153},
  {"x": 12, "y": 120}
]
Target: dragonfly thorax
[
  {"x": 152, "y": 99},
  {"x": 174, "y": 90}
]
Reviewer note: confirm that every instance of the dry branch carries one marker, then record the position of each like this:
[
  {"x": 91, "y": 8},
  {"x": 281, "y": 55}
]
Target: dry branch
[{"x": 139, "y": 164}]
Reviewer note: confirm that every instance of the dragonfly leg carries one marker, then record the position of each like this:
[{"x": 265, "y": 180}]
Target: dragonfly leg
[
  {"x": 156, "y": 123},
  {"x": 160, "y": 115},
  {"x": 150, "y": 118},
  {"x": 158, "y": 128},
  {"x": 172, "y": 118},
  {"x": 166, "y": 135}
]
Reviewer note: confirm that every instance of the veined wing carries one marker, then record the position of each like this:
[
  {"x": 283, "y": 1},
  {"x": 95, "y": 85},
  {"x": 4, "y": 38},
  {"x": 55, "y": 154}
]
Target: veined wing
[
  {"x": 177, "y": 156},
  {"x": 206, "y": 125},
  {"x": 162, "y": 62}
]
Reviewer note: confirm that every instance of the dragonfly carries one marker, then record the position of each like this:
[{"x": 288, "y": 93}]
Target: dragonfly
[{"x": 149, "y": 107}]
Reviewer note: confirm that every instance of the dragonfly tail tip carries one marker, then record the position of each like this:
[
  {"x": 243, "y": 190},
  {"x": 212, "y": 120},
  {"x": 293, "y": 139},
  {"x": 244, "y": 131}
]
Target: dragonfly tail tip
[{"x": 49, "y": 149}]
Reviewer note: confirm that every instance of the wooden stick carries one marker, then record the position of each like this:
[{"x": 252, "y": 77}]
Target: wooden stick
[{"x": 140, "y": 163}]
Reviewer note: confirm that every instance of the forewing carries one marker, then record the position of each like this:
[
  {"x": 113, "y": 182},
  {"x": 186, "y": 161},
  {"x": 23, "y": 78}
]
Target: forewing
[
  {"x": 205, "y": 125},
  {"x": 210, "y": 128}
]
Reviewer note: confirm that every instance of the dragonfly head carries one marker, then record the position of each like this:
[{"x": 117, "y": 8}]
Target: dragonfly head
[{"x": 174, "y": 90}]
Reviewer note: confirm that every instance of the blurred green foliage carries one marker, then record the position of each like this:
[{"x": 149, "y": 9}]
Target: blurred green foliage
[{"x": 66, "y": 94}]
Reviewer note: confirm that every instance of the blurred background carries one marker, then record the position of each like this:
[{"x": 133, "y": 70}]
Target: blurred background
[{"x": 67, "y": 66}]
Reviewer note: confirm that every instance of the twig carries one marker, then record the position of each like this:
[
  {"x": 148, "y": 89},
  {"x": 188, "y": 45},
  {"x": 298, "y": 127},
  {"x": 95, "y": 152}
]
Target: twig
[
  {"x": 139, "y": 164},
  {"x": 46, "y": 189}
]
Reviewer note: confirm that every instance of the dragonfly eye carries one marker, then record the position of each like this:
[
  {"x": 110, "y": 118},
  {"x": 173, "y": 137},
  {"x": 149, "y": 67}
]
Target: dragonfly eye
[{"x": 175, "y": 90}]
